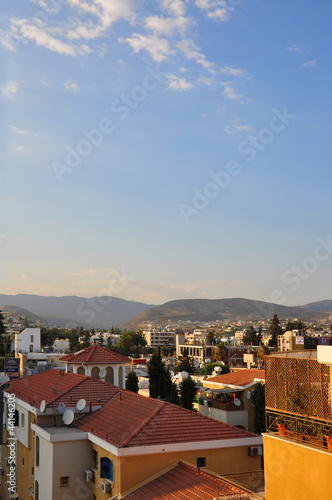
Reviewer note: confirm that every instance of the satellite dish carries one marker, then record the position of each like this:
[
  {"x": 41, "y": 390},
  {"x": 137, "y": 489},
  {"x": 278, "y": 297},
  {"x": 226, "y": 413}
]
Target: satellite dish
[
  {"x": 81, "y": 404},
  {"x": 4, "y": 379},
  {"x": 102, "y": 373},
  {"x": 68, "y": 417},
  {"x": 61, "y": 408},
  {"x": 237, "y": 402},
  {"x": 42, "y": 406},
  {"x": 248, "y": 395}
]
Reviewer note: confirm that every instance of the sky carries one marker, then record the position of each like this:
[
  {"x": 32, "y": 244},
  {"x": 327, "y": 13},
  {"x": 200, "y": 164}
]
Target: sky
[{"x": 169, "y": 149}]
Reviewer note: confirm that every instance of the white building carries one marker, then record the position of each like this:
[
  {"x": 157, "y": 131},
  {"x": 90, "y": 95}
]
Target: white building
[
  {"x": 157, "y": 338},
  {"x": 27, "y": 341}
]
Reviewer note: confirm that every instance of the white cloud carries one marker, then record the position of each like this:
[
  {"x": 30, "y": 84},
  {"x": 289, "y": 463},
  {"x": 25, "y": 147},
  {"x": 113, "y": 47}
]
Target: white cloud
[
  {"x": 217, "y": 10},
  {"x": 309, "y": 64},
  {"x": 236, "y": 129},
  {"x": 229, "y": 91},
  {"x": 166, "y": 25},
  {"x": 19, "y": 148},
  {"x": 205, "y": 81},
  {"x": 227, "y": 70},
  {"x": 294, "y": 49},
  {"x": 69, "y": 85},
  {"x": 10, "y": 89},
  {"x": 23, "y": 132},
  {"x": 174, "y": 7},
  {"x": 176, "y": 83},
  {"x": 190, "y": 51},
  {"x": 158, "y": 48}
]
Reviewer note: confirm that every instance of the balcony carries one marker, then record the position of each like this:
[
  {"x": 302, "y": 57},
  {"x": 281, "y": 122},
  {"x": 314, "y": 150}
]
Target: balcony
[{"x": 298, "y": 400}]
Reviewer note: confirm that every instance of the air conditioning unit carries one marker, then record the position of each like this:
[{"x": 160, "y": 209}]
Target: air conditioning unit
[
  {"x": 88, "y": 475},
  {"x": 255, "y": 451},
  {"x": 106, "y": 487}
]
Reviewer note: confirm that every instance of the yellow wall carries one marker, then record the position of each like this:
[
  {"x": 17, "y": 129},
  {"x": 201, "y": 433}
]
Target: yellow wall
[
  {"x": 134, "y": 470},
  {"x": 295, "y": 471}
]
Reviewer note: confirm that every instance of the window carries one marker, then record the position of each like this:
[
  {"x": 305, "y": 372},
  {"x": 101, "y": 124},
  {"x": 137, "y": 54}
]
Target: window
[
  {"x": 17, "y": 418},
  {"x": 23, "y": 462},
  {"x": 64, "y": 481},
  {"x": 32, "y": 471},
  {"x": 95, "y": 460},
  {"x": 37, "y": 451},
  {"x": 36, "y": 490},
  {"x": 22, "y": 420},
  {"x": 31, "y": 338},
  {"x": 106, "y": 468},
  {"x": 201, "y": 462}
]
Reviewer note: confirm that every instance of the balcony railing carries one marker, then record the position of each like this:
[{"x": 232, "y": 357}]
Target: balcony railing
[
  {"x": 304, "y": 430},
  {"x": 220, "y": 405}
]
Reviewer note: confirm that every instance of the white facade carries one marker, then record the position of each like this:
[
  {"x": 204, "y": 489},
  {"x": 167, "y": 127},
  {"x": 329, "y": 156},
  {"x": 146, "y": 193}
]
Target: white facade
[
  {"x": 61, "y": 345},
  {"x": 115, "y": 373},
  {"x": 27, "y": 341},
  {"x": 157, "y": 338}
]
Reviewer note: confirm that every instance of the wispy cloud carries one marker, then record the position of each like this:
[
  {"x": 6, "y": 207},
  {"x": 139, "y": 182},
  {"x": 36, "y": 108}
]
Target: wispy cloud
[
  {"x": 9, "y": 89},
  {"x": 227, "y": 70},
  {"x": 69, "y": 85},
  {"x": 229, "y": 91},
  {"x": 217, "y": 10},
  {"x": 309, "y": 64},
  {"x": 158, "y": 48},
  {"x": 176, "y": 83},
  {"x": 295, "y": 49},
  {"x": 22, "y": 132},
  {"x": 191, "y": 51},
  {"x": 236, "y": 128}
]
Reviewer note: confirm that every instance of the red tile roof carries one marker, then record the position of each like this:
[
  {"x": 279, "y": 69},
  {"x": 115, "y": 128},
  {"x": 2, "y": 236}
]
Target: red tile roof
[
  {"x": 241, "y": 378},
  {"x": 95, "y": 355},
  {"x": 186, "y": 482},
  {"x": 55, "y": 386},
  {"x": 129, "y": 420}
]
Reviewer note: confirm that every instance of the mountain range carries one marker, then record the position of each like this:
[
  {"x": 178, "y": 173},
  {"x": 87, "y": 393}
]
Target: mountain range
[
  {"x": 103, "y": 312},
  {"x": 72, "y": 311}
]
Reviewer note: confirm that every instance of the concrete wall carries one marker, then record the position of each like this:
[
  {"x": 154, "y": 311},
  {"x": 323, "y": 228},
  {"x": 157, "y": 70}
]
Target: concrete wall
[
  {"x": 23, "y": 340},
  {"x": 295, "y": 471}
]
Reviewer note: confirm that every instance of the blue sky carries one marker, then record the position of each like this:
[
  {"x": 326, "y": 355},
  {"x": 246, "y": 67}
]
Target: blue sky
[{"x": 168, "y": 149}]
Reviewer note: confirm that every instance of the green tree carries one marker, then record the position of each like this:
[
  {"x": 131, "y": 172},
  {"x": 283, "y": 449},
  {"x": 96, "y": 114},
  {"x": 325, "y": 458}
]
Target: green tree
[
  {"x": 188, "y": 391},
  {"x": 132, "y": 343},
  {"x": 258, "y": 401},
  {"x": 157, "y": 375},
  {"x": 262, "y": 352},
  {"x": 132, "y": 382},
  {"x": 275, "y": 330},
  {"x": 252, "y": 337},
  {"x": 209, "y": 367},
  {"x": 296, "y": 325},
  {"x": 210, "y": 338},
  {"x": 221, "y": 353},
  {"x": 185, "y": 362}
]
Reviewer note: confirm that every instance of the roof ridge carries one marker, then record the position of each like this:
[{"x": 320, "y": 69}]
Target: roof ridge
[
  {"x": 66, "y": 390},
  {"x": 90, "y": 353},
  {"x": 148, "y": 419}
]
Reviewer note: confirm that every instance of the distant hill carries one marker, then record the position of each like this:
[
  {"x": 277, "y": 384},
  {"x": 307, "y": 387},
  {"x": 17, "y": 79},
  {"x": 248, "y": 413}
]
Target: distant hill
[
  {"x": 19, "y": 311},
  {"x": 71, "y": 311},
  {"x": 321, "y": 305},
  {"x": 202, "y": 310}
]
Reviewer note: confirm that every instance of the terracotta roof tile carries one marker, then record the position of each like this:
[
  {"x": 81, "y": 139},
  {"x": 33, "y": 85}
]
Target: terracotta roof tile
[
  {"x": 186, "y": 482},
  {"x": 95, "y": 355},
  {"x": 241, "y": 378},
  {"x": 132, "y": 420},
  {"x": 55, "y": 386}
]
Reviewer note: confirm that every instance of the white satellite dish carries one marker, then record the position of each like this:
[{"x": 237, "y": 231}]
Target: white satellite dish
[
  {"x": 248, "y": 395},
  {"x": 81, "y": 404},
  {"x": 42, "y": 406},
  {"x": 102, "y": 373},
  {"x": 61, "y": 408},
  {"x": 68, "y": 417},
  {"x": 4, "y": 379},
  {"x": 237, "y": 402}
]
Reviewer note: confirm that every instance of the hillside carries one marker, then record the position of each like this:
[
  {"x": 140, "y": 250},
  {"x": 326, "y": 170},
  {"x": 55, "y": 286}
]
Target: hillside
[
  {"x": 321, "y": 305},
  {"x": 202, "y": 310},
  {"x": 71, "y": 311},
  {"x": 19, "y": 311}
]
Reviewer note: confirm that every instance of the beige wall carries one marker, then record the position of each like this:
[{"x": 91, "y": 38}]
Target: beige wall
[{"x": 294, "y": 471}]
